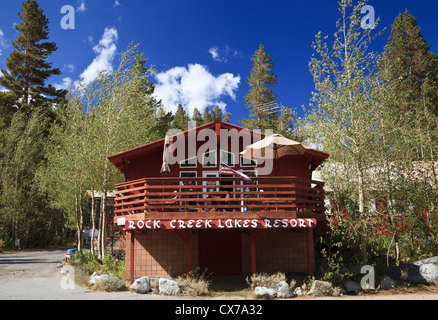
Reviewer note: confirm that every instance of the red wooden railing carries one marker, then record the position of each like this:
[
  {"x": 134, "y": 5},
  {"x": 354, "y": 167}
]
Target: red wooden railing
[{"x": 262, "y": 196}]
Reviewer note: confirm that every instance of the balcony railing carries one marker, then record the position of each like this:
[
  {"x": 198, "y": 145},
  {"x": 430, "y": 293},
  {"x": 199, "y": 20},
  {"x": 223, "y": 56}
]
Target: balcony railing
[{"x": 288, "y": 197}]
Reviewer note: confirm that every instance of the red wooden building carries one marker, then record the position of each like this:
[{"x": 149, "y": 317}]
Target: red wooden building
[{"x": 197, "y": 215}]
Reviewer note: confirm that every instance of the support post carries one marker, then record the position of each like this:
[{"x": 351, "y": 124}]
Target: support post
[
  {"x": 187, "y": 238},
  {"x": 309, "y": 258},
  {"x": 188, "y": 242},
  {"x": 132, "y": 257},
  {"x": 253, "y": 253},
  {"x": 254, "y": 238}
]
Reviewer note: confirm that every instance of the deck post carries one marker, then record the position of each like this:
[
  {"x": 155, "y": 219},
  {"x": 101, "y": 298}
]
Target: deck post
[
  {"x": 255, "y": 236},
  {"x": 253, "y": 253},
  {"x": 309, "y": 258},
  {"x": 188, "y": 242},
  {"x": 132, "y": 257}
]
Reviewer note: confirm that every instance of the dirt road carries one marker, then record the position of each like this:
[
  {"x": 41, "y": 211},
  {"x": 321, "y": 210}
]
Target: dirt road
[{"x": 36, "y": 276}]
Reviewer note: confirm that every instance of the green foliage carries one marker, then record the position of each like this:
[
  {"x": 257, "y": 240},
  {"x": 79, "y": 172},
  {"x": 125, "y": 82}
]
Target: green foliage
[
  {"x": 85, "y": 264},
  {"x": 27, "y": 66}
]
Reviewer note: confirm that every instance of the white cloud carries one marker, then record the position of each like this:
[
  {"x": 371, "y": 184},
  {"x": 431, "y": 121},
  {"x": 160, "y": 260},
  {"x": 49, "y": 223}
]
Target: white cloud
[
  {"x": 105, "y": 50},
  {"x": 67, "y": 83},
  {"x": 82, "y": 6},
  {"x": 68, "y": 67},
  {"x": 116, "y": 4},
  {"x": 3, "y": 42},
  {"x": 194, "y": 86},
  {"x": 214, "y": 53},
  {"x": 222, "y": 55}
]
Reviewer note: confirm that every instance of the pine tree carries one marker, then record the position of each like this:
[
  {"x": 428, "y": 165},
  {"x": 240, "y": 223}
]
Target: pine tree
[
  {"x": 181, "y": 119},
  {"x": 27, "y": 66},
  {"x": 261, "y": 96},
  {"x": 409, "y": 71},
  {"x": 207, "y": 118},
  {"x": 409, "y": 67},
  {"x": 197, "y": 117}
]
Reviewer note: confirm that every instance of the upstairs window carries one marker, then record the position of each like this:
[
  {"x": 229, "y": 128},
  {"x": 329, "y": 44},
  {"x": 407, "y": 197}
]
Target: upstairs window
[
  {"x": 188, "y": 163},
  {"x": 209, "y": 159},
  {"x": 227, "y": 158}
]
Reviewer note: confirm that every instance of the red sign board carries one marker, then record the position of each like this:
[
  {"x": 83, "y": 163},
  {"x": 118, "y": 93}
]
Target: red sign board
[{"x": 221, "y": 224}]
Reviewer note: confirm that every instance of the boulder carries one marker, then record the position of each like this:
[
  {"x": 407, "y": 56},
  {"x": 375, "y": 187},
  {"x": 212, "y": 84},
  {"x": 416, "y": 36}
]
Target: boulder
[
  {"x": 264, "y": 292},
  {"x": 433, "y": 260},
  {"x": 168, "y": 287},
  {"x": 429, "y": 272},
  {"x": 321, "y": 288},
  {"x": 142, "y": 285},
  {"x": 387, "y": 283},
  {"x": 298, "y": 291},
  {"x": 282, "y": 290},
  {"x": 352, "y": 286}
]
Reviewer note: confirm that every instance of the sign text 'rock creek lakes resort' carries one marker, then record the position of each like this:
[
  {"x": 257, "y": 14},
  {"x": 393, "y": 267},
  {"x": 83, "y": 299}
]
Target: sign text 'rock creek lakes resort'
[{"x": 217, "y": 224}]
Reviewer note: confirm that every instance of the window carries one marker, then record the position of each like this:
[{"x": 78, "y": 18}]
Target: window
[
  {"x": 185, "y": 187},
  {"x": 244, "y": 162},
  {"x": 249, "y": 185},
  {"x": 209, "y": 159},
  {"x": 227, "y": 158},
  {"x": 188, "y": 163}
]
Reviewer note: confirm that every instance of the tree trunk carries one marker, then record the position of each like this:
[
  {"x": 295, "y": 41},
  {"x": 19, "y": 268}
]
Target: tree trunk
[
  {"x": 361, "y": 197},
  {"x": 103, "y": 236},
  {"x": 93, "y": 221}
]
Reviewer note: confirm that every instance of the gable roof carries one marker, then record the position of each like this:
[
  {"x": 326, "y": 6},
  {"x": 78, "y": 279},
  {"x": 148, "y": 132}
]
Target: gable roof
[{"x": 118, "y": 159}]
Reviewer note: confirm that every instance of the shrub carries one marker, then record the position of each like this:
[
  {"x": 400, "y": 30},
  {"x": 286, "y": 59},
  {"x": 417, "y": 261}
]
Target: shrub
[
  {"x": 110, "y": 284},
  {"x": 265, "y": 280},
  {"x": 196, "y": 285}
]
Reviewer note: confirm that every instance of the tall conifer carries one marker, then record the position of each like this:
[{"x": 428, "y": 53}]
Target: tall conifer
[
  {"x": 27, "y": 66},
  {"x": 261, "y": 96}
]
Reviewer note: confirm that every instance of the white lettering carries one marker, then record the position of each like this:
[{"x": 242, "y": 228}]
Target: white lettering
[
  {"x": 284, "y": 223},
  {"x": 254, "y": 223},
  {"x": 140, "y": 224},
  {"x": 237, "y": 223},
  {"x": 220, "y": 224},
  {"x": 208, "y": 223},
  {"x": 181, "y": 224},
  {"x": 229, "y": 223},
  {"x": 310, "y": 221},
  {"x": 172, "y": 225},
  {"x": 190, "y": 223},
  {"x": 198, "y": 224},
  {"x": 246, "y": 223},
  {"x": 276, "y": 223},
  {"x": 267, "y": 223},
  {"x": 147, "y": 224},
  {"x": 293, "y": 223},
  {"x": 131, "y": 224},
  {"x": 301, "y": 223}
]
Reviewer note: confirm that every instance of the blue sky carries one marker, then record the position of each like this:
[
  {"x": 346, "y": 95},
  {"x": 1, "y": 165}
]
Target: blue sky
[{"x": 201, "y": 49}]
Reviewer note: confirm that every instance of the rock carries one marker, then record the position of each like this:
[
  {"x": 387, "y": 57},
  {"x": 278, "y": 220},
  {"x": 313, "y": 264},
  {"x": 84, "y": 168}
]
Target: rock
[
  {"x": 352, "y": 286},
  {"x": 97, "y": 276},
  {"x": 411, "y": 273},
  {"x": 387, "y": 283},
  {"x": 168, "y": 287},
  {"x": 433, "y": 260},
  {"x": 264, "y": 292},
  {"x": 283, "y": 290},
  {"x": 429, "y": 272},
  {"x": 320, "y": 288},
  {"x": 298, "y": 291},
  {"x": 142, "y": 285},
  {"x": 94, "y": 278}
]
